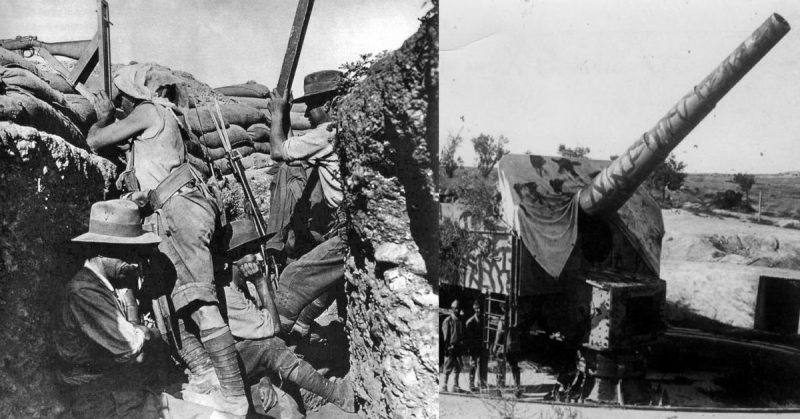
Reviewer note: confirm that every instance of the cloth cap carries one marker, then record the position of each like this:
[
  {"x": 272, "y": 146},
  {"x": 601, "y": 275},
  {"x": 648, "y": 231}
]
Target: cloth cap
[
  {"x": 142, "y": 81},
  {"x": 320, "y": 82},
  {"x": 116, "y": 221}
]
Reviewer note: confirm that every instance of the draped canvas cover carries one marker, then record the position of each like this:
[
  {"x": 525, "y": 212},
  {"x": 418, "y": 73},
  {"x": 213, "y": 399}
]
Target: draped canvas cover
[{"x": 539, "y": 198}]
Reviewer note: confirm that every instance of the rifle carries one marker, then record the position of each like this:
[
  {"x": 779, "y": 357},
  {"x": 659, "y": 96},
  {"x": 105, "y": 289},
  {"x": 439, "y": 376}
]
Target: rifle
[
  {"x": 268, "y": 283},
  {"x": 28, "y": 45}
]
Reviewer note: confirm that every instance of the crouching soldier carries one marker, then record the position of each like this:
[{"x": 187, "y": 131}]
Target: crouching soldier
[
  {"x": 263, "y": 353},
  {"x": 108, "y": 364}
]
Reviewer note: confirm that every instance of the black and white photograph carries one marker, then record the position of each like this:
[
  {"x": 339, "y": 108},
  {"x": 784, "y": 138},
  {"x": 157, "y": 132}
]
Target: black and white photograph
[
  {"x": 219, "y": 209},
  {"x": 620, "y": 223}
]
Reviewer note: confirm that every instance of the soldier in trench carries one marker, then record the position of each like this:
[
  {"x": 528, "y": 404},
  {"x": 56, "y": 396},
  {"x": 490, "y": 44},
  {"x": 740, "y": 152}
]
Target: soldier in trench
[
  {"x": 262, "y": 352},
  {"x": 107, "y": 362},
  {"x": 305, "y": 219},
  {"x": 183, "y": 212}
]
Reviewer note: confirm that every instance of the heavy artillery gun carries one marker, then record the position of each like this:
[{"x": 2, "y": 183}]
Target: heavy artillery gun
[{"x": 587, "y": 242}]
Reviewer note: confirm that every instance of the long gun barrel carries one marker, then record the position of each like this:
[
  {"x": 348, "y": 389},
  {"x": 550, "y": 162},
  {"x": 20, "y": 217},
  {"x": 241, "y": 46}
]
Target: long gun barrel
[
  {"x": 71, "y": 49},
  {"x": 614, "y": 185}
]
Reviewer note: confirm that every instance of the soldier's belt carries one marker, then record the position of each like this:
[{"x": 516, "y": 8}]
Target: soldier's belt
[{"x": 176, "y": 180}]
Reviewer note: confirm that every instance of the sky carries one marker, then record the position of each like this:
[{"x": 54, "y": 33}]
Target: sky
[
  {"x": 600, "y": 73},
  {"x": 223, "y": 42}
]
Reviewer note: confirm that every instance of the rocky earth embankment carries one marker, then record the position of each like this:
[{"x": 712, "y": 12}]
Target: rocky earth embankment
[
  {"x": 388, "y": 142},
  {"x": 47, "y": 189}
]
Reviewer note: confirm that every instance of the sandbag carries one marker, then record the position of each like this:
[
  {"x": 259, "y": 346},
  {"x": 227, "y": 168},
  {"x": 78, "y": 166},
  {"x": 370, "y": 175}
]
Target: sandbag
[
  {"x": 236, "y": 134},
  {"x": 216, "y": 153},
  {"x": 19, "y": 78},
  {"x": 262, "y": 147},
  {"x": 259, "y": 133},
  {"x": 9, "y": 58},
  {"x": 262, "y": 103},
  {"x": 24, "y": 109},
  {"x": 82, "y": 109},
  {"x": 250, "y": 89},
  {"x": 199, "y": 164},
  {"x": 232, "y": 113},
  {"x": 224, "y": 165},
  {"x": 256, "y": 102},
  {"x": 201, "y": 123}
]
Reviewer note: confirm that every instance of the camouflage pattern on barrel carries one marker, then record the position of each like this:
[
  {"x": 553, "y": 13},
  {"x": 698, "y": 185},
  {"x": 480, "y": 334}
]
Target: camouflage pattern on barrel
[{"x": 615, "y": 184}]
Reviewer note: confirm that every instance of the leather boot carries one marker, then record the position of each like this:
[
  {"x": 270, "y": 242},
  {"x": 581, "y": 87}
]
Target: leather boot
[
  {"x": 443, "y": 384},
  {"x": 471, "y": 386},
  {"x": 517, "y": 387},
  {"x": 456, "y": 386}
]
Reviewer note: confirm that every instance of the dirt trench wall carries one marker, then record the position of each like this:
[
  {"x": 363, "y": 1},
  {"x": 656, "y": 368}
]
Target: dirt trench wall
[
  {"x": 388, "y": 143},
  {"x": 47, "y": 187}
]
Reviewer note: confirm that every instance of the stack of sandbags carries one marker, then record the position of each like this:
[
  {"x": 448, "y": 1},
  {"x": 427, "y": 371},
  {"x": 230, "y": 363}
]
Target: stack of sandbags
[
  {"x": 257, "y": 95},
  {"x": 27, "y": 97},
  {"x": 33, "y": 94}
]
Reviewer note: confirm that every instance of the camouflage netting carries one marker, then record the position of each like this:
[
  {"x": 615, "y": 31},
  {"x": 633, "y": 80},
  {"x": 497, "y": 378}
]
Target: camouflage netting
[
  {"x": 47, "y": 189},
  {"x": 388, "y": 130}
]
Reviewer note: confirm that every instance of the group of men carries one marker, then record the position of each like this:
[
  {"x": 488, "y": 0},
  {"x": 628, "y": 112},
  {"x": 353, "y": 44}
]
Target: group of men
[
  {"x": 461, "y": 339},
  {"x": 164, "y": 249}
]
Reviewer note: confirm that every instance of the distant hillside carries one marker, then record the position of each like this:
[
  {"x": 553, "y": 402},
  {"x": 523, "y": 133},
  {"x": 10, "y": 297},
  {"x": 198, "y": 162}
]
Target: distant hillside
[{"x": 780, "y": 192}]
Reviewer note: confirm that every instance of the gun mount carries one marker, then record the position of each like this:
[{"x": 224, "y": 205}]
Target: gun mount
[{"x": 587, "y": 241}]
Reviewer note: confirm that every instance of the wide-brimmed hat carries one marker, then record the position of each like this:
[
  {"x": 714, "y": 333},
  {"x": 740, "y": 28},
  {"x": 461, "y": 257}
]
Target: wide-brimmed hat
[
  {"x": 320, "y": 82},
  {"x": 239, "y": 233},
  {"x": 116, "y": 221}
]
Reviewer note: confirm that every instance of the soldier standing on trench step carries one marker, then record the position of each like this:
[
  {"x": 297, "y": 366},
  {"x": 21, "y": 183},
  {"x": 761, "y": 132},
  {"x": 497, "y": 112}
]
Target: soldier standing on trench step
[
  {"x": 185, "y": 215},
  {"x": 304, "y": 210},
  {"x": 453, "y": 336}
]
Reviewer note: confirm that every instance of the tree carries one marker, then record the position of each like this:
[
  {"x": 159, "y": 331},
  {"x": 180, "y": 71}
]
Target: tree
[
  {"x": 745, "y": 183},
  {"x": 668, "y": 175},
  {"x": 575, "y": 153},
  {"x": 489, "y": 151},
  {"x": 479, "y": 198},
  {"x": 448, "y": 155}
]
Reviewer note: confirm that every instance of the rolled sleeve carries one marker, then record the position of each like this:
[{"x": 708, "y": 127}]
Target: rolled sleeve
[
  {"x": 100, "y": 320},
  {"x": 244, "y": 318},
  {"x": 315, "y": 144}
]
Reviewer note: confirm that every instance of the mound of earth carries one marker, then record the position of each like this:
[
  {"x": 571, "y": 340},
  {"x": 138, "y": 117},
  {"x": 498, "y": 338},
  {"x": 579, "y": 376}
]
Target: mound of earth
[{"x": 713, "y": 265}]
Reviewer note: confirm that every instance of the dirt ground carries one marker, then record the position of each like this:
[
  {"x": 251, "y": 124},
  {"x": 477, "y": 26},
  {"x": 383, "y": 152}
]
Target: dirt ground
[
  {"x": 464, "y": 407},
  {"x": 712, "y": 264}
]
